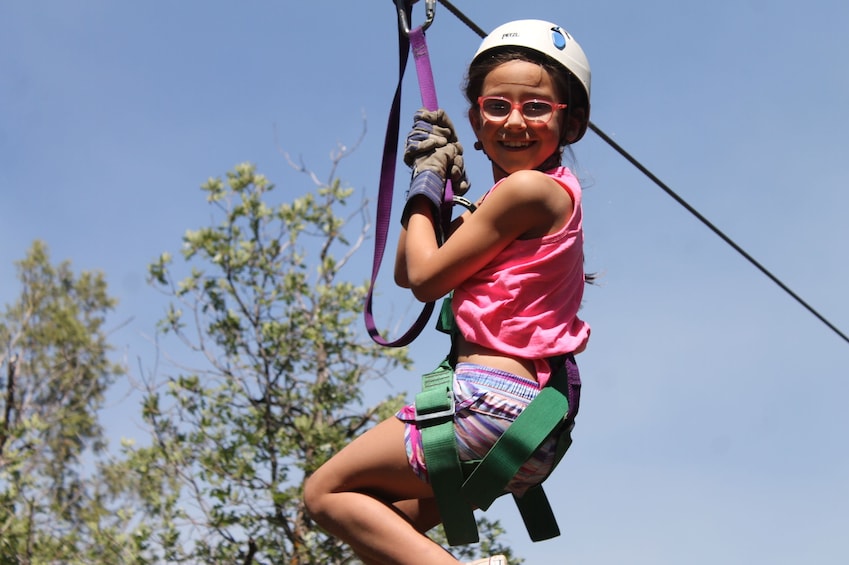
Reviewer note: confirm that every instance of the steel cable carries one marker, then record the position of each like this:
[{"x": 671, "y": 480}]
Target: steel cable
[{"x": 616, "y": 147}]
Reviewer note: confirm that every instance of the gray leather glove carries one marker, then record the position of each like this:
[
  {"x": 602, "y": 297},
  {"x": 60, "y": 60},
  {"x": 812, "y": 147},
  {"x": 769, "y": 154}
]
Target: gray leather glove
[
  {"x": 431, "y": 129},
  {"x": 432, "y": 146}
]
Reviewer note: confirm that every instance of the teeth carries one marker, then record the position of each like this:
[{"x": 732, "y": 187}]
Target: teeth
[{"x": 516, "y": 144}]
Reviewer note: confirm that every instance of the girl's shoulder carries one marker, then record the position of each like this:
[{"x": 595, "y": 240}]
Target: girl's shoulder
[
  {"x": 555, "y": 189},
  {"x": 527, "y": 184},
  {"x": 532, "y": 201}
]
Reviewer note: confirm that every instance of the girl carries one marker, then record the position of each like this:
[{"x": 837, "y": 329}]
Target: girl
[{"x": 515, "y": 267}]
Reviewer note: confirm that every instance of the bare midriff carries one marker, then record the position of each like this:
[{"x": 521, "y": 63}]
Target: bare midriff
[{"x": 473, "y": 353}]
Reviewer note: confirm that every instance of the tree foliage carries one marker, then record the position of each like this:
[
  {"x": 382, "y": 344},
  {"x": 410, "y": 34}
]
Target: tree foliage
[
  {"x": 272, "y": 379},
  {"x": 55, "y": 357},
  {"x": 265, "y": 383}
]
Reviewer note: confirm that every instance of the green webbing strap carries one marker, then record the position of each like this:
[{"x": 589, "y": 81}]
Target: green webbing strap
[
  {"x": 534, "y": 506},
  {"x": 537, "y": 514},
  {"x": 435, "y": 418},
  {"x": 521, "y": 439},
  {"x": 455, "y": 496}
]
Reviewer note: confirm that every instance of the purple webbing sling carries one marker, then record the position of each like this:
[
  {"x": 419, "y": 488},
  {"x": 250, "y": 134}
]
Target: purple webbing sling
[{"x": 415, "y": 41}]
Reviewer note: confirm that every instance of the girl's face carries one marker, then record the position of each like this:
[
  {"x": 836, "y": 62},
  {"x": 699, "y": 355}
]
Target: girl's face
[{"x": 515, "y": 143}]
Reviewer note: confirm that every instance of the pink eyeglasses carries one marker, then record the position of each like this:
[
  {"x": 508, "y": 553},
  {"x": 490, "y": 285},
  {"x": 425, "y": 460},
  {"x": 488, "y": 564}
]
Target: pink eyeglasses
[{"x": 498, "y": 109}]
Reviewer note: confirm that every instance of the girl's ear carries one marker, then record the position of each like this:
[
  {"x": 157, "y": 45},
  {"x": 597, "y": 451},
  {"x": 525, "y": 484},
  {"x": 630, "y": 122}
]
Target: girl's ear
[
  {"x": 574, "y": 121},
  {"x": 475, "y": 119}
]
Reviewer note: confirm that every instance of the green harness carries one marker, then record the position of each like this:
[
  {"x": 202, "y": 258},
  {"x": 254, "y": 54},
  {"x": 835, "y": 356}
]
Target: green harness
[{"x": 460, "y": 487}]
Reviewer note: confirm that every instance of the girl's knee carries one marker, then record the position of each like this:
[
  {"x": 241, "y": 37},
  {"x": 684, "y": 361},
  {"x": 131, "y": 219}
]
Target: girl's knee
[{"x": 314, "y": 497}]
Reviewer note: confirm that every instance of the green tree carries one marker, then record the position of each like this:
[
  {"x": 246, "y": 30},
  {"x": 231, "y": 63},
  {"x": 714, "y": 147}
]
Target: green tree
[
  {"x": 270, "y": 379},
  {"x": 54, "y": 506}
]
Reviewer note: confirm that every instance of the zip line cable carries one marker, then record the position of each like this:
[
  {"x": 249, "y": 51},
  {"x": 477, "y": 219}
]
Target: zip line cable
[
  {"x": 715, "y": 229},
  {"x": 616, "y": 147}
]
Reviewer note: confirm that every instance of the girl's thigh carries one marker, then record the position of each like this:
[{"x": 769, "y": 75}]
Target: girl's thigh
[{"x": 374, "y": 463}]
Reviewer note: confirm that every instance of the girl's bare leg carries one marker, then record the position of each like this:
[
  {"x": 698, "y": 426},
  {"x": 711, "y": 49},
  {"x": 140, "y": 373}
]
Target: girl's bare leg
[
  {"x": 353, "y": 496},
  {"x": 422, "y": 514}
]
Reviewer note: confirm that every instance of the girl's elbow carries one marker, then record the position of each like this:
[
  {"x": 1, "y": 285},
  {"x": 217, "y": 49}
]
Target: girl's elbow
[
  {"x": 425, "y": 290},
  {"x": 426, "y": 295},
  {"x": 401, "y": 279}
]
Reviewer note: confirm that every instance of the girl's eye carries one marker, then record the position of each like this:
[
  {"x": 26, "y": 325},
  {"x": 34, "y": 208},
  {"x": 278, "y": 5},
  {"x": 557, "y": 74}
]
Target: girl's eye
[
  {"x": 496, "y": 107},
  {"x": 536, "y": 108}
]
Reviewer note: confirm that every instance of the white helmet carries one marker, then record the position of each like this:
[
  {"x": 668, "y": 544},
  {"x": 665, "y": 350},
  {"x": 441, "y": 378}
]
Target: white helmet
[{"x": 546, "y": 38}]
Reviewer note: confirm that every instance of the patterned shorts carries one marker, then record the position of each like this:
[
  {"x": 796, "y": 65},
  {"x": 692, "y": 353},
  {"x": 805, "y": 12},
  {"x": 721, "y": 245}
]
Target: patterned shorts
[{"x": 486, "y": 403}]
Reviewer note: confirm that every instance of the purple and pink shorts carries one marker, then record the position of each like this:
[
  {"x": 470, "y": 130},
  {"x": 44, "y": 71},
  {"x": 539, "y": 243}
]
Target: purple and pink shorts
[{"x": 487, "y": 401}]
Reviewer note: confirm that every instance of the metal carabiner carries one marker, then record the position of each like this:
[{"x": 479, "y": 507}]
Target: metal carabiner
[{"x": 404, "y": 24}]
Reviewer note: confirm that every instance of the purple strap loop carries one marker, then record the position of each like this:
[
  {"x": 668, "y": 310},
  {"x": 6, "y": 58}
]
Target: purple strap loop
[
  {"x": 421, "y": 56},
  {"x": 413, "y": 40}
]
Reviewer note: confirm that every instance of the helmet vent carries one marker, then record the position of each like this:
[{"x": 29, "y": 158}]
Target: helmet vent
[{"x": 557, "y": 38}]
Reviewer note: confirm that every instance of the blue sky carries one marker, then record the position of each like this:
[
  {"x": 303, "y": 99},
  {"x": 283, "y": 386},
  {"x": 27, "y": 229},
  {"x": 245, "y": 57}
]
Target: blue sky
[{"x": 712, "y": 427}]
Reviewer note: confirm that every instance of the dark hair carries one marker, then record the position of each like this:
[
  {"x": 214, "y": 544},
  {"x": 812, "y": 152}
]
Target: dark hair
[{"x": 569, "y": 90}]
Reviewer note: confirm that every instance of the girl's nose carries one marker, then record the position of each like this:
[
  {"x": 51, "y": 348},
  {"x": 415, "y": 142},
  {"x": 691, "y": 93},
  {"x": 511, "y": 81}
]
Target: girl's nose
[{"x": 515, "y": 120}]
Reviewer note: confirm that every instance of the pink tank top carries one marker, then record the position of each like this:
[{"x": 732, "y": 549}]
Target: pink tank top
[{"x": 525, "y": 302}]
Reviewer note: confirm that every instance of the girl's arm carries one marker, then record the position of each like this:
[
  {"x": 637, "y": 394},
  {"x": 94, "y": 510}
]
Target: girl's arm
[
  {"x": 526, "y": 204},
  {"x": 401, "y": 251}
]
